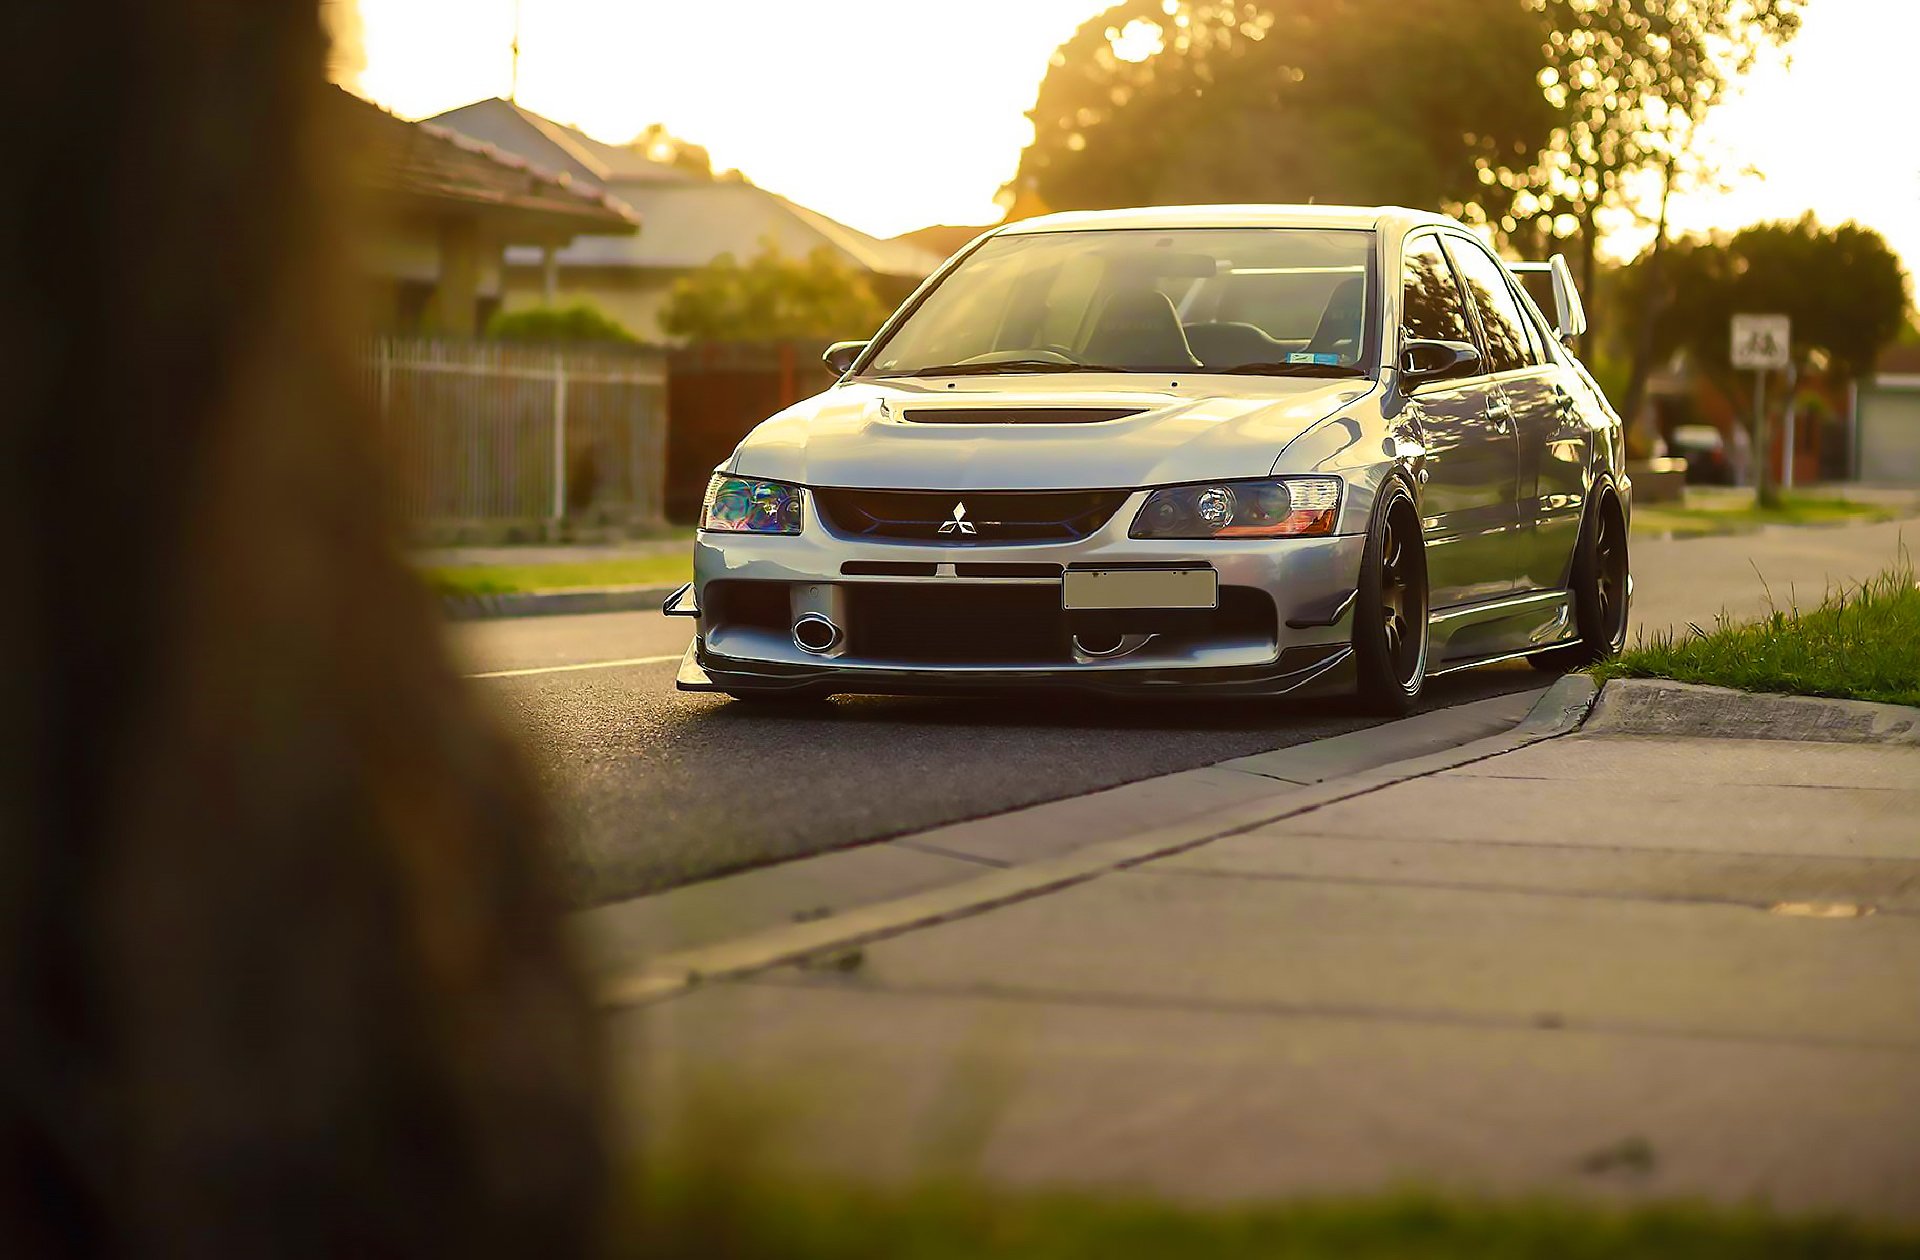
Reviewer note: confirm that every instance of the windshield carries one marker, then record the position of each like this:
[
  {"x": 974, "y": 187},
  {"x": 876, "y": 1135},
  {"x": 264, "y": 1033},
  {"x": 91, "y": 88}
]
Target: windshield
[{"x": 1275, "y": 301}]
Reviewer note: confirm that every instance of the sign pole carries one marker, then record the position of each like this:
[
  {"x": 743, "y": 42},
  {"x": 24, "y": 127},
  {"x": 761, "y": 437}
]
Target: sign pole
[
  {"x": 1763, "y": 344},
  {"x": 1762, "y": 444}
]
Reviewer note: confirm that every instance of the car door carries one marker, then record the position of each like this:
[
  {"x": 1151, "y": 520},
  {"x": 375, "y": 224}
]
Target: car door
[
  {"x": 1548, "y": 436},
  {"x": 1471, "y": 467}
]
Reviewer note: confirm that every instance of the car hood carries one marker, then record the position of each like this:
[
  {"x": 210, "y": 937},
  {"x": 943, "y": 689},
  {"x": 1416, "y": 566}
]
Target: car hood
[{"x": 892, "y": 434}]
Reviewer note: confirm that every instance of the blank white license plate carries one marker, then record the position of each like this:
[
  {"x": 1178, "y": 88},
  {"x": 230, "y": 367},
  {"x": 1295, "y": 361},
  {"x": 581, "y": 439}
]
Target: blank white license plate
[{"x": 1140, "y": 588}]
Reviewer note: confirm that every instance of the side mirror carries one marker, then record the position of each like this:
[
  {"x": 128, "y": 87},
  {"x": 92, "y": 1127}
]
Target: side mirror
[
  {"x": 1569, "y": 313},
  {"x": 1435, "y": 360},
  {"x": 840, "y": 356}
]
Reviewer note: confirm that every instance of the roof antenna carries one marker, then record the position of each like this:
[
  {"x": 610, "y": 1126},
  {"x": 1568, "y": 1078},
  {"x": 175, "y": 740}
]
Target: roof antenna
[{"x": 513, "y": 91}]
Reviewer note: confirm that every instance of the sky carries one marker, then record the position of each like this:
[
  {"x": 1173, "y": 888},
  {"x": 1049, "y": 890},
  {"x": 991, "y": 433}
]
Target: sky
[{"x": 894, "y": 114}]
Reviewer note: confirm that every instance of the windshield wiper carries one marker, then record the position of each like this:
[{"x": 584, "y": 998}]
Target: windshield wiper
[
  {"x": 1288, "y": 369},
  {"x": 1008, "y": 365}
]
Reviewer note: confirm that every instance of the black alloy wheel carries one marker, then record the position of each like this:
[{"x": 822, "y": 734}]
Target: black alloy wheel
[
  {"x": 1600, "y": 588},
  {"x": 1390, "y": 611}
]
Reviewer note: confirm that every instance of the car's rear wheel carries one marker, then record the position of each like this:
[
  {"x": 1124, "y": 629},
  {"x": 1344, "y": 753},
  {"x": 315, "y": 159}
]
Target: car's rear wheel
[
  {"x": 1390, "y": 609},
  {"x": 1600, "y": 591}
]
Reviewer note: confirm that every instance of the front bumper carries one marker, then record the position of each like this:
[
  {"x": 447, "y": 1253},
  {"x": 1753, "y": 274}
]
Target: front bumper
[{"x": 1290, "y": 629}]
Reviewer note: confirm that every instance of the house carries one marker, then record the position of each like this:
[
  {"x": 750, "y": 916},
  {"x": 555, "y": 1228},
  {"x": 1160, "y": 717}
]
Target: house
[
  {"x": 691, "y": 219},
  {"x": 445, "y": 208},
  {"x": 944, "y": 240},
  {"x": 1887, "y": 419}
]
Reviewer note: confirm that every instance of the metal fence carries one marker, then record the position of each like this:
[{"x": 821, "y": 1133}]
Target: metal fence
[{"x": 489, "y": 432}]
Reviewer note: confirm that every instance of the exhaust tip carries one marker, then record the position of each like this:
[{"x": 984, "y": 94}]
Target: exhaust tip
[
  {"x": 815, "y": 633},
  {"x": 1099, "y": 643}
]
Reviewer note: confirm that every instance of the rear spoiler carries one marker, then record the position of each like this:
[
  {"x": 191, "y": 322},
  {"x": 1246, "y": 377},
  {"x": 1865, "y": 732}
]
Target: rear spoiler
[{"x": 1569, "y": 313}]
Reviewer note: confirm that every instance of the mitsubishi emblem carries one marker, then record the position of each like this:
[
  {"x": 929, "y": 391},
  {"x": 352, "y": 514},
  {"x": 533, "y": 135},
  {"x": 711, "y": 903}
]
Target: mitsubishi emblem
[{"x": 959, "y": 524}]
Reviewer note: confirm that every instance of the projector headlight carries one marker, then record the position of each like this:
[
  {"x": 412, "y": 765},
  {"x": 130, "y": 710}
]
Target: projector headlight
[
  {"x": 1279, "y": 507},
  {"x": 745, "y": 505}
]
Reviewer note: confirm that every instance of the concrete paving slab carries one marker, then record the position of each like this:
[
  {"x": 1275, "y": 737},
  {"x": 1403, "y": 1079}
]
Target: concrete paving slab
[
  {"x": 1216, "y": 1105},
  {"x": 621, "y": 937},
  {"x": 1634, "y": 759},
  {"x": 1763, "y": 880},
  {"x": 1632, "y": 814},
  {"x": 1434, "y": 953}
]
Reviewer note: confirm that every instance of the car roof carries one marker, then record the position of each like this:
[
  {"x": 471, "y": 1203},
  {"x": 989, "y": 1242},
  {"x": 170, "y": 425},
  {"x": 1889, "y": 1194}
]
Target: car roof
[{"x": 1368, "y": 218}]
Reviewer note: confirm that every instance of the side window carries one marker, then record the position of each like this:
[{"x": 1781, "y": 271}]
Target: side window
[
  {"x": 1537, "y": 325},
  {"x": 1493, "y": 301},
  {"x": 1429, "y": 300}
]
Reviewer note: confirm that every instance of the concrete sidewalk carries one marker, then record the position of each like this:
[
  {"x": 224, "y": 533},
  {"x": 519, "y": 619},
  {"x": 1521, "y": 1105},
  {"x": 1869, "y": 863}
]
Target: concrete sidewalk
[{"x": 1610, "y": 964}]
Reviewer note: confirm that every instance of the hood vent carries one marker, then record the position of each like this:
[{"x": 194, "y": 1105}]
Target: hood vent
[{"x": 1017, "y": 415}]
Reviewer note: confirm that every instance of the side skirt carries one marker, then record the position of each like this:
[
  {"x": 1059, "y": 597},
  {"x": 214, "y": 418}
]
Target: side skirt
[{"x": 1484, "y": 633}]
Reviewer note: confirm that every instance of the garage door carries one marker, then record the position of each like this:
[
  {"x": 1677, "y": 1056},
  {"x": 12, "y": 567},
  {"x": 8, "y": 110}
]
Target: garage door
[{"x": 1890, "y": 436}]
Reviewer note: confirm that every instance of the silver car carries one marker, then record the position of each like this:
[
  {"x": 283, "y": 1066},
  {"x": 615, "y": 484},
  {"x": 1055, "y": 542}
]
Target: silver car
[{"x": 1218, "y": 450}]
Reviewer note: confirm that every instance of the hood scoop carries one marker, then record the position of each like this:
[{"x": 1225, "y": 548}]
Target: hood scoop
[{"x": 1017, "y": 415}]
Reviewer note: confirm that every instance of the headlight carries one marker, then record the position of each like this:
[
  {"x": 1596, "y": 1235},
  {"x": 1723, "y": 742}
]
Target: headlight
[
  {"x": 1278, "y": 508},
  {"x": 742, "y": 505}
]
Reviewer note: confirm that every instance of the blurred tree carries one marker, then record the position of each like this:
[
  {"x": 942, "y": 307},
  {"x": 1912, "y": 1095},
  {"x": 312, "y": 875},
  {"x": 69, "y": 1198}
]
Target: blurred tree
[
  {"x": 281, "y": 965},
  {"x": 661, "y": 145},
  {"x": 772, "y": 297},
  {"x": 1157, "y": 102},
  {"x": 1843, "y": 287},
  {"x": 582, "y": 321},
  {"x": 1631, "y": 81}
]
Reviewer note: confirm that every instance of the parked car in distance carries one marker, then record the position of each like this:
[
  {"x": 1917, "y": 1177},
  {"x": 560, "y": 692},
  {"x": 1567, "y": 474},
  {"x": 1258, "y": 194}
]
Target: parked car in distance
[
  {"x": 1218, "y": 450},
  {"x": 1705, "y": 449}
]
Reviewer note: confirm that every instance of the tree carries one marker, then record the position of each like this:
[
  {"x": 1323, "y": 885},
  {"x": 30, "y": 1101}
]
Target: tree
[
  {"x": 1844, "y": 289},
  {"x": 1364, "y": 101},
  {"x": 660, "y": 145},
  {"x": 581, "y": 321},
  {"x": 773, "y": 297},
  {"x": 1631, "y": 80}
]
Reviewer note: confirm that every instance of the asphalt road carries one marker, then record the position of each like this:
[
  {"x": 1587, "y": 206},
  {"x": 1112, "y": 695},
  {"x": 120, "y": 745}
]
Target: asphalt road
[{"x": 654, "y": 788}]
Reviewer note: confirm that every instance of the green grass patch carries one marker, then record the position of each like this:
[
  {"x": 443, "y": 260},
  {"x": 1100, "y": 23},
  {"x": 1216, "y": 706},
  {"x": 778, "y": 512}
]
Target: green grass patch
[
  {"x": 1860, "y": 643},
  {"x": 1732, "y": 514},
  {"x": 756, "y": 1221},
  {"x": 508, "y": 579}
]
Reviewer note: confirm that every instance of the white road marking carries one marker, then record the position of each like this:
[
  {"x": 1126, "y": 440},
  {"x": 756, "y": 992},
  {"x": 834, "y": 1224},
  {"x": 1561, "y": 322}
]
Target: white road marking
[{"x": 567, "y": 669}]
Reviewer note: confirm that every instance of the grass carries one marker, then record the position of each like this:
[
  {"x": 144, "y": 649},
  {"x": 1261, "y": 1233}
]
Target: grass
[
  {"x": 716, "y": 1217},
  {"x": 507, "y": 579},
  {"x": 1723, "y": 514},
  {"x": 1860, "y": 643}
]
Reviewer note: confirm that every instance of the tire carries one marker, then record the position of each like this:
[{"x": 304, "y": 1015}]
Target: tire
[
  {"x": 1390, "y": 610},
  {"x": 1600, "y": 590}
]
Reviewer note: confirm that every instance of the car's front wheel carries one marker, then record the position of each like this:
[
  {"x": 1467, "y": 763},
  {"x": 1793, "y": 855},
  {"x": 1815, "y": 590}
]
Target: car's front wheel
[{"x": 1390, "y": 608}]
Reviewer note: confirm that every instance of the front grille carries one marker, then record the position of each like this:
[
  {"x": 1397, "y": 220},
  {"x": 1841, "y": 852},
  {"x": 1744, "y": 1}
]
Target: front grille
[
  {"x": 970, "y": 518},
  {"x": 983, "y": 624}
]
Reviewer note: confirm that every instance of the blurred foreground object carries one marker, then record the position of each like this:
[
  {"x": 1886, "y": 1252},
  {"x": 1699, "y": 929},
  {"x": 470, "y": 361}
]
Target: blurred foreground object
[{"x": 281, "y": 972}]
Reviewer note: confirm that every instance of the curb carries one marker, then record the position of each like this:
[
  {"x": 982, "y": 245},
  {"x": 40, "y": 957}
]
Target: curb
[
  {"x": 1659, "y": 706},
  {"x": 585, "y": 599},
  {"x": 1559, "y": 711}
]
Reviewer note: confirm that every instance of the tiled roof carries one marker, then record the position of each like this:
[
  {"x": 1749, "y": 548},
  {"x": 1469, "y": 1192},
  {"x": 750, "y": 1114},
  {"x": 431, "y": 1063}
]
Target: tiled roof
[
  {"x": 690, "y": 221},
  {"x": 508, "y": 126},
  {"x": 690, "y": 225},
  {"x": 400, "y": 159}
]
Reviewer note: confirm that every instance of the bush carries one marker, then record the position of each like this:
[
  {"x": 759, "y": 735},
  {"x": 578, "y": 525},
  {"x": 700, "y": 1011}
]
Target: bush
[{"x": 580, "y": 322}]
